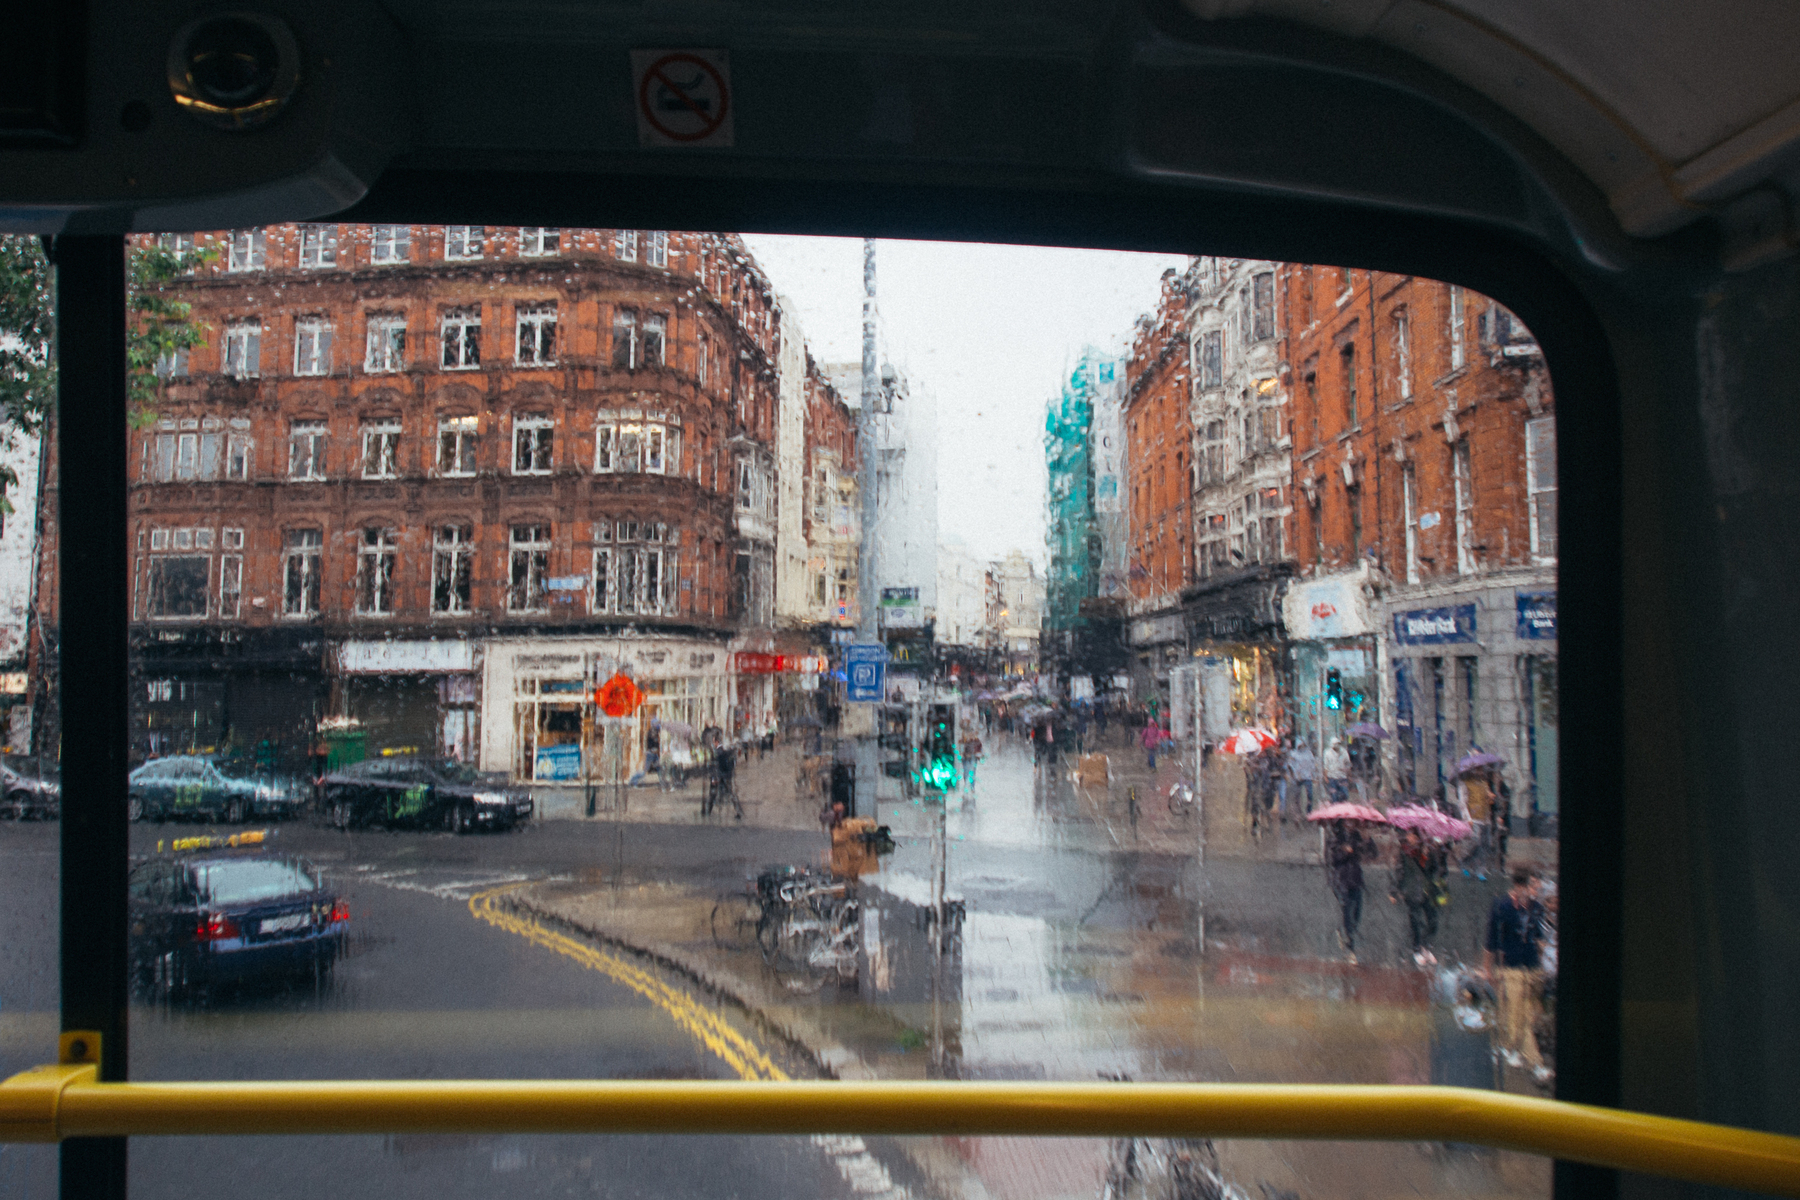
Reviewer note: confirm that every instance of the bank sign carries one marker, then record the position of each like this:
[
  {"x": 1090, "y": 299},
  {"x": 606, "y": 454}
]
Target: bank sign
[
  {"x": 1435, "y": 626},
  {"x": 1537, "y": 615}
]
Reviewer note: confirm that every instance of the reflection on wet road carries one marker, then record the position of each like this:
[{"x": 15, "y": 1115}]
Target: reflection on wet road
[{"x": 1075, "y": 952}]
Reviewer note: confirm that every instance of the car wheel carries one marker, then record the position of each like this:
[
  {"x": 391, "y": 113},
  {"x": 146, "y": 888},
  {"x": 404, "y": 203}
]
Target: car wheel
[
  {"x": 237, "y": 812},
  {"x": 134, "y": 808},
  {"x": 19, "y": 803},
  {"x": 340, "y": 815},
  {"x": 456, "y": 819},
  {"x": 170, "y": 977}
]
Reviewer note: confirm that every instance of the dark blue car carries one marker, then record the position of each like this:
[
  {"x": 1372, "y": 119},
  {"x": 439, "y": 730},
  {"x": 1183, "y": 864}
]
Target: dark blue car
[{"x": 215, "y": 919}]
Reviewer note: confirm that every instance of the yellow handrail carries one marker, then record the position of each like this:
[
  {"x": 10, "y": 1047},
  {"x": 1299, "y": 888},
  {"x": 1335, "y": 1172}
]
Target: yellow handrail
[{"x": 50, "y": 1103}]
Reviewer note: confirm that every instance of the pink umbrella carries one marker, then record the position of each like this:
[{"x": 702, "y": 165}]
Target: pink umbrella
[
  {"x": 1346, "y": 811},
  {"x": 1428, "y": 821},
  {"x": 1248, "y": 741}
]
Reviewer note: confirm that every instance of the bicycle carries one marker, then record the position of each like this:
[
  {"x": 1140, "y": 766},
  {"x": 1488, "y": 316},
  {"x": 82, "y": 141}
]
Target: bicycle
[
  {"x": 719, "y": 791},
  {"x": 1182, "y": 802},
  {"x": 814, "y": 928}
]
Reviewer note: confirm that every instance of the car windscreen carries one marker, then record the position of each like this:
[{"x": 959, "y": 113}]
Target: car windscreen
[
  {"x": 455, "y": 772},
  {"x": 251, "y": 880}
]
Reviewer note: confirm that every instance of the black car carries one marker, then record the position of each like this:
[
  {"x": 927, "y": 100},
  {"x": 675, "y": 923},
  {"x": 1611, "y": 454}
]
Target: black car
[
  {"x": 185, "y": 786},
  {"x": 419, "y": 793},
  {"x": 29, "y": 787},
  {"x": 222, "y": 918}
]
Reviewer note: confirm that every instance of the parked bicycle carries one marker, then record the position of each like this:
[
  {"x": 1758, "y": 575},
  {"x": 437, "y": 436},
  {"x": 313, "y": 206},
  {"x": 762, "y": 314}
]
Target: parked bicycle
[
  {"x": 1182, "y": 801},
  {"x": 797, "y": 919}
]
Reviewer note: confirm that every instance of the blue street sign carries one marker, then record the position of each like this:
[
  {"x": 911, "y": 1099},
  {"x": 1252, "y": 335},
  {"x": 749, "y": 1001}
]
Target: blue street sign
[{"x": 865, "y": 671}]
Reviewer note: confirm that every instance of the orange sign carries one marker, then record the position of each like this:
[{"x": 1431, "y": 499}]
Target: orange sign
[{"x": 618, "y": 696}]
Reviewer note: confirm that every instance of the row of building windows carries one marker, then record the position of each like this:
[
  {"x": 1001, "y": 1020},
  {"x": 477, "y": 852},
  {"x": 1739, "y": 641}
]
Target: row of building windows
[
  {"x": 638, "y": 340},
  {"x": 620, "y": 447},
  {"x": 634, "y": 572},
  {"x": 247, "y": 249}
]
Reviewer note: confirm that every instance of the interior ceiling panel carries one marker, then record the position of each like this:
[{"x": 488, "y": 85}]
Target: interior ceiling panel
[{"x": 1670, "y": 107}]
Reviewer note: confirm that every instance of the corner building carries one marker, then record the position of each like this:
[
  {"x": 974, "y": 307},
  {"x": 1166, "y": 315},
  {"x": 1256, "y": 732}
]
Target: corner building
[{"x": 430, "y": 482}]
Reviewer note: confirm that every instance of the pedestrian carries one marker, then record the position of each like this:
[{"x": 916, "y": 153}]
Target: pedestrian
[
  {"x": 1303, "y": 769},
  {"x": 1512, "y": 958},
  {"x": 1419, "y": 884},
  {"x": 1344, "y": 856},
  {"x": 1152, "y": 738},
  {"x": 1337, "y": 771}
]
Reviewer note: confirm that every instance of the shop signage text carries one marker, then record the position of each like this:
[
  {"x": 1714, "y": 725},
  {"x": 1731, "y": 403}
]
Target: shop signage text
[
  {"x": 752, "y": 663},
  {"x": 1537, "y": 615},
  {"x": 1326, "y": 608},
  {"x": 393, "y": 658},
  {"x": 1435, "y": 626}
]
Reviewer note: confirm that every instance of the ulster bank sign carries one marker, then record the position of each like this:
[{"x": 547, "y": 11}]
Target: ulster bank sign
[{"x": 1435, "y": 626}]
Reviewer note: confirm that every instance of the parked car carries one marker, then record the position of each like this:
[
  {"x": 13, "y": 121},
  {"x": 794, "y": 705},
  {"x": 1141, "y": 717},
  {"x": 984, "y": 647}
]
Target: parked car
[
  {"x": 220, "y": 917},
  {"x": 30, "y": 787},
  {"x": 190, "y": 787},
  {"x": 420, "y": 793}
]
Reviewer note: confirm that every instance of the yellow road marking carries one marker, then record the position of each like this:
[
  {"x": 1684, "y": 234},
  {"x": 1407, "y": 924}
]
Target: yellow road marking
[{"x": 711, "y": 1030}]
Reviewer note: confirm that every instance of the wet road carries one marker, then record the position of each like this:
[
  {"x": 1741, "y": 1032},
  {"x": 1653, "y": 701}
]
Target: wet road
[{"x": 428, "y": 989}]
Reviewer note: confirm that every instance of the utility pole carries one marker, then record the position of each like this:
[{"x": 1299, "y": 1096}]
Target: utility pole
[{"x": 868, "y": 766}]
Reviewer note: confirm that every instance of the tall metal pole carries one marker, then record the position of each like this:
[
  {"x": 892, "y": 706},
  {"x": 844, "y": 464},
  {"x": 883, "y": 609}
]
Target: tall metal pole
[{"x": 867, "y": 757}]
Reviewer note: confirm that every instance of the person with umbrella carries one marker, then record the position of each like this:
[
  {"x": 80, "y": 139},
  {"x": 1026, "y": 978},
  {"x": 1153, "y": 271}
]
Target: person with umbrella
[
  {"x": 1419, "y": 882},
  {"x": 1345, "y": 852}
]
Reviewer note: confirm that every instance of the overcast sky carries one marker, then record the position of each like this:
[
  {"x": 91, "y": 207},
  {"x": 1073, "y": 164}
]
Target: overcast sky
[{"x": 992, "y": 331}]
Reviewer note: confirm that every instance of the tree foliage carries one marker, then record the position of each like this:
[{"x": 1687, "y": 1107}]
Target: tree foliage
[{"x": 159, "y": 326}]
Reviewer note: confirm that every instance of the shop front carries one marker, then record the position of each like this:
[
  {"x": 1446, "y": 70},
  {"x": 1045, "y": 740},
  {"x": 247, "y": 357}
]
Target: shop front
[
  {"x": 410, "y": 696},
  {"x": 539, "y": 723},
  {"x": 1237, "y": 629},
  {"x": 1474, "y": 670},
  {"x": 1336, "y": 666}
]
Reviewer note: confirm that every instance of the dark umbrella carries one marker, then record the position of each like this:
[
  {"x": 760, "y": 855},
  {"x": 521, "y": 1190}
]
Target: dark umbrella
[
  {"x": 1476, "y": 761},
  {"x": 1363, "y": 729}
]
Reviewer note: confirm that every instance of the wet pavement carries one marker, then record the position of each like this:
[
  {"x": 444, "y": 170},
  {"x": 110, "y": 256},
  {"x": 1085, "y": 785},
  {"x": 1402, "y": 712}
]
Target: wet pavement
[{"x": 1102, "y": 935}]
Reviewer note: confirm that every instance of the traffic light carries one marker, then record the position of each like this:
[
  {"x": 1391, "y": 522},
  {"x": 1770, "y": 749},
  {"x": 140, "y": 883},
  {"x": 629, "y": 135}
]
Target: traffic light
[
  {"x": 940, "y": 749},
  {"x": 1334, "y": 690}
]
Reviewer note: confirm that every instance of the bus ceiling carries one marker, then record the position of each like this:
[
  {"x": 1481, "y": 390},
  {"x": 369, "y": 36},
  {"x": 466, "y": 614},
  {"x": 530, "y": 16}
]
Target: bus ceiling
[{"x": 1583, "y": 130}]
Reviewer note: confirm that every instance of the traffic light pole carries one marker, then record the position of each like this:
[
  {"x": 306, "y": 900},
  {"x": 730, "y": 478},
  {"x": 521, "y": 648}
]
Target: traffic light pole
[{"x": 867, "y": 744}]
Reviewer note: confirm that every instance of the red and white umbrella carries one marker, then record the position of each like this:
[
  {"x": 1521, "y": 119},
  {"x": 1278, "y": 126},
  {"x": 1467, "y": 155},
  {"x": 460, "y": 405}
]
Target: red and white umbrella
[
  {"x": 1346, "y": 811},
  {"x": 1248, "y": 741}
]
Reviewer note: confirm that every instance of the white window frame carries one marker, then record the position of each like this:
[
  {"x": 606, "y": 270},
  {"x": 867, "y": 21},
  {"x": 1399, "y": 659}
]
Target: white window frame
[
  {"x": 1403, "y": 352},
  {"x": 1409, "y": 499},
  {"x": 452, "y": 553},
  {"x": 231, "y": 584},
  {"x": 302, "y": 561},
  {"x": 390, "y": 244},
  {"x": 381, "y": 449},
  {"x": 318, "y": 247},
  {"x": 464, "y": 243},
  {"x": 533, "y": 553},
  {"x": 461, "y": 435},
  {"x": 539, "y": 434},
  {"x": 1543, "y": 541},
  {"x": 307, "y": 442},
  {"x": 312, "y": 346},
  {"x": 625, "y": 319},
  {"x": 656, "y": 253},
  {"x": 653, "y": 331},
  {"x": 386, "y": 344},
  {"x": 243, "y": 350},
  {"x": 248, "y": 250},
  {"x": 534, "y": 339},
  {"x": 377, "y": 563},
  {"x": 537, "y": 241},
  {"x": 1464, "y": 493},
  {"x": 1458, "y": 349},
  {"x": 180, "y": 546},
  {"x": 626, "y": 246},
  {"x": 702, "y": 349},
  {"x": 459, "y": 333},
  {"x": 240, "y": 455}
]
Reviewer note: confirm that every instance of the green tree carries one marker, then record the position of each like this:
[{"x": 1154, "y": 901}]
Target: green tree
[{"x": 160, "y": 326}]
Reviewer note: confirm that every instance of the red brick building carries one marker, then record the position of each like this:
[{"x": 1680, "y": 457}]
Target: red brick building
[
  {"x": 1424, "y": 523},
  {"x": 1158, "y": 439},
  {"x": 425, "y": 480}
]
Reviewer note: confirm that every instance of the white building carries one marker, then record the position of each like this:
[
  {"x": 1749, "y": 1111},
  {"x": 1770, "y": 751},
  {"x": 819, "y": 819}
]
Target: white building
[
  {"x": 1018, "y": 620},
  {"x": 1104, "y": 376},
  {"x": 906, "y": 513},
  {"x": 962, "y": 596}
]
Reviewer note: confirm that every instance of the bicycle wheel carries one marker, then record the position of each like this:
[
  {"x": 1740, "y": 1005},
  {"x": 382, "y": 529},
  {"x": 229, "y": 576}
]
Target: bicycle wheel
[{"x": 736, "y": 919}]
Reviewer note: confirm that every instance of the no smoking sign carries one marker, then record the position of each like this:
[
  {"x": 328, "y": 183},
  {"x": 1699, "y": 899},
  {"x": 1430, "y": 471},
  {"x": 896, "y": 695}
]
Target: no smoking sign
[{"x": 683, "y": 97}]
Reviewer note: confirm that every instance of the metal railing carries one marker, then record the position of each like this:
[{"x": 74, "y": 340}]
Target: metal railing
[{"x": 64, "y": 1100}]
